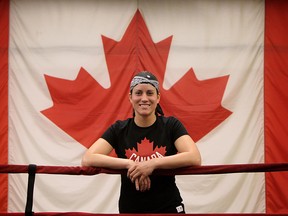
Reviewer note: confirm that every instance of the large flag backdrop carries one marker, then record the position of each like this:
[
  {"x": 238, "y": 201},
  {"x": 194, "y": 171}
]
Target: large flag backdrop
[{"x": 70, "y": 63}]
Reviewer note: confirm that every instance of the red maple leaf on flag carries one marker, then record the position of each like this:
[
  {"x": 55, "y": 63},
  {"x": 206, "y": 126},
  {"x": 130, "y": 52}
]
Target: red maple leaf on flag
[
  {"x": 145, "y": 151},
  {"x": 84, "y": 109}
]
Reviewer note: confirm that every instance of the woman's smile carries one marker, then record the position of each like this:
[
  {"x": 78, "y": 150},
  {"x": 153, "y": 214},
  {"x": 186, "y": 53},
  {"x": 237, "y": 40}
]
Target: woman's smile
[{"x": 144, "y": 105}]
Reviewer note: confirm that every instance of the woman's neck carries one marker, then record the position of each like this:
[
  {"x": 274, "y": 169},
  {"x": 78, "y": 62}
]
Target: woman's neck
[{"x": 144, "y": 121}]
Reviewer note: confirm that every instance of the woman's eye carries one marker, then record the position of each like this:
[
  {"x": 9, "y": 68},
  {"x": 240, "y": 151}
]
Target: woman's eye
[
  {"x": 150, "y": 93},
  {"x": 138, "y": 93}
]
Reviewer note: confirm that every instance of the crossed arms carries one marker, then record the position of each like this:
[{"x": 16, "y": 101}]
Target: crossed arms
[{"x": 138, "y": 172}]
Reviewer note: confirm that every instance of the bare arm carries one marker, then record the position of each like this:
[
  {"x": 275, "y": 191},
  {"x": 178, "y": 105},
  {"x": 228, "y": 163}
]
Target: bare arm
[
  {"x": 97, "y": 156},
  {"x": 188, "y": 155}
]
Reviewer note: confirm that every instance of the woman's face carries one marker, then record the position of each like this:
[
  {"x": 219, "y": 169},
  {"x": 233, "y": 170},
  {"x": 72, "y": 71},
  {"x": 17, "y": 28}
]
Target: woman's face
[{"x": 144, "y": 99}]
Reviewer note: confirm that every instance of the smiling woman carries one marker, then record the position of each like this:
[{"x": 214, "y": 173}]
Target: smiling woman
[{"x": 157, "y": 142}]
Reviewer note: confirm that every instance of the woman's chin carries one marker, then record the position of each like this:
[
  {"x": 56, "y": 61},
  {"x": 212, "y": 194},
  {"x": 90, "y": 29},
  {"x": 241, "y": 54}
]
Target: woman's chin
[{"x": 144, "y": 113}]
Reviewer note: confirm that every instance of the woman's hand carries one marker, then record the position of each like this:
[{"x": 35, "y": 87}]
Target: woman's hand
[
  {"x": 140, "y": 170},
  {"x": 143, "y": 185}
]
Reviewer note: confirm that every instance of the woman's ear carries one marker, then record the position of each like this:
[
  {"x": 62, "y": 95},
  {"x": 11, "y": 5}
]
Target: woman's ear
[{"x": 130, "y": 96}]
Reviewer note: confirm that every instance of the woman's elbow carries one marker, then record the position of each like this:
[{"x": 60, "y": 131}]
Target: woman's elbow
[
  {"x": 85, "y": 161},
  {"x": 196, "y": 160}
]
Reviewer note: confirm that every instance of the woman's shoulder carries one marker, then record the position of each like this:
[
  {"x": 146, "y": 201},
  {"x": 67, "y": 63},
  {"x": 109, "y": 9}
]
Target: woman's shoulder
[
  {"x": 174, "y": 125},
  {"x": 122, "y": 123},
  {"x": 168, "y": 119}
]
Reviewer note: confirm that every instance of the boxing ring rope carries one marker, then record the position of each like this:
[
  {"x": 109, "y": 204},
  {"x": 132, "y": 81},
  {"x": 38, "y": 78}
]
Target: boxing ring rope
[{"x": 33, "y": 169}]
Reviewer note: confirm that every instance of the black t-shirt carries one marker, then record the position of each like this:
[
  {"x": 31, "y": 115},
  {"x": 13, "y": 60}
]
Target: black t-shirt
[{"x": 144, "y": 143}]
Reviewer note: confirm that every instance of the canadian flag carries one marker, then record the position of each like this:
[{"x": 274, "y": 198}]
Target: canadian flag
[{"x": 65, "y": 68}]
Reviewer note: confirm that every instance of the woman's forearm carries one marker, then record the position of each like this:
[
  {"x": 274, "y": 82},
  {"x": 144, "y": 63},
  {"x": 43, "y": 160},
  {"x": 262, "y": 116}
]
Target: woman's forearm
[
  {"x": 145, "y": 168},
  {"x": 105, "y": 161},
  {"x": 183, "y": 159}
]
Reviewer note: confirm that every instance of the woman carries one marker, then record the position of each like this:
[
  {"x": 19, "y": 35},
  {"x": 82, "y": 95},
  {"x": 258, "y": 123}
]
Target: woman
[{"x": 146, "y": 142}]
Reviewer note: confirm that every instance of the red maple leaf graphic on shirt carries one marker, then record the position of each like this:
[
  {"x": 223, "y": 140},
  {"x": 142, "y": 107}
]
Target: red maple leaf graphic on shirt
[
  {"x": 145, "y": 151},
  {"x": 84, "y": 109}
]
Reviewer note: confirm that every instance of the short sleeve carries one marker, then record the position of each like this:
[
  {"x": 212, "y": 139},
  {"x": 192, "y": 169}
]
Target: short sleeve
[
  {"x": 177, "y": 128},
  {"x": 110, "y": 135}
]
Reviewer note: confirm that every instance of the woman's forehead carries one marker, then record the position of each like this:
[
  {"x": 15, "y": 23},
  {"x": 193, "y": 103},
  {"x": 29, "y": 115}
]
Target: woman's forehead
[{"x": 144, "y": 86}]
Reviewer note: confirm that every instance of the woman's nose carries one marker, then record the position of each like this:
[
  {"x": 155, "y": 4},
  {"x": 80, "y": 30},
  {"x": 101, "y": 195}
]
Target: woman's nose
[{"x": 144, "y": 97}]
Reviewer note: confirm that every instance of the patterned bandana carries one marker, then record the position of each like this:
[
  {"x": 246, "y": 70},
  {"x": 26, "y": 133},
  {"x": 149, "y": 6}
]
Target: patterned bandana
[{"x": 144, "y": 77}]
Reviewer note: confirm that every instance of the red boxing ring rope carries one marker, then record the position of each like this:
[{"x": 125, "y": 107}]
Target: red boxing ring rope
[
  {"x": 195, "y": 170},
  {"x": 32, "y": 170}
]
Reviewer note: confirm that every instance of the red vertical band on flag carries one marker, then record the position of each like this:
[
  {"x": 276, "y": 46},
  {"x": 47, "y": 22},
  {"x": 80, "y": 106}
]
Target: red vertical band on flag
[
  {"x": 276, "y": 102},
  {"x": 4, "y": 37}
]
